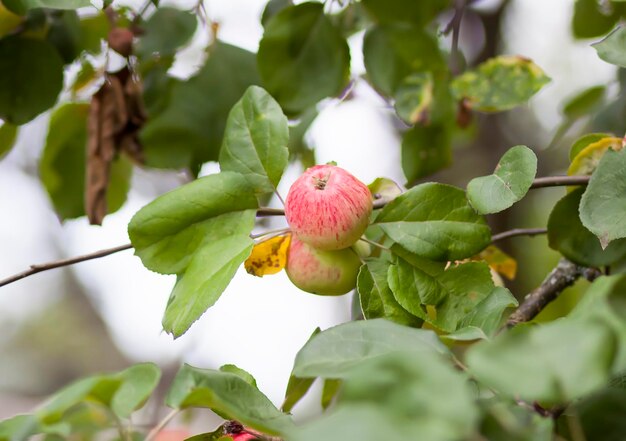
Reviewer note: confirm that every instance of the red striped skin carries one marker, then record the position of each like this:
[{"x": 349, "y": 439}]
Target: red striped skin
[
  {"x": 243, "y": 436},
  {"x": 328, "y": 273},
  {"x": 328, "y": 208}
]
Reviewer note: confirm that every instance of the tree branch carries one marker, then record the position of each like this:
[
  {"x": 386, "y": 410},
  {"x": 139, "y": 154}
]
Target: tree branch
[
  {"x": 561, "y": 277},
  {"x": 518, "y": 232},
  {"x": 557, "y": 181},
  {"x": 34, "y": 269}
]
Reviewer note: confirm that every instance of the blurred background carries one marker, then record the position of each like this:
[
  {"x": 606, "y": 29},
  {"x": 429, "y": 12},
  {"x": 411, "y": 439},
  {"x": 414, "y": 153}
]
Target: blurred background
[{"x": 106, "y": 314}]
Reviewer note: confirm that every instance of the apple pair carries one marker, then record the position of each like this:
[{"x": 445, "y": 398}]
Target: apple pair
[{"x": 327, "y": 210}]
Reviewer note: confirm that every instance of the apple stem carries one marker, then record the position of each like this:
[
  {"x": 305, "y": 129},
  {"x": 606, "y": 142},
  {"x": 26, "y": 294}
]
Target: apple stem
[
  {"x": 376, "y": 244},
  {"x": 320, "y": 183},
  {"x": 270, "y": 233}
]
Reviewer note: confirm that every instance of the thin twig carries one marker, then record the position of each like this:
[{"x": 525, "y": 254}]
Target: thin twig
[
  {"x": 459, "y": 9},
  {"x": 561, "y": 277},
  {"x": 272, "y": 233},
  {"x": 34, "y": 269},
  {"x": 557, "y": 181},
  {"x": 518, "y": 232},
  {"x": 161, "y": 425}
]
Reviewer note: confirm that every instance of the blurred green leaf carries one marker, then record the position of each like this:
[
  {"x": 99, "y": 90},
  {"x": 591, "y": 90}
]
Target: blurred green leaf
[
  {"x": 168, "y": 231},
  {"x": 165, "y": 31},
  {"x": 329, "y": 392},
  {"x": 272, "y": 8},
  {"x": 93, "y": 30},
  {"x": 64, "y": 34},
  {"x": 210, "y": 270},
  {"x": 601, "y": 414},
  {"x": 333, "y": 353},
  {"x": 8, "y": 135},
  {"x": 22, "y": 6},
  {"x": 187, "y": 128},
  {"x": 418, "y": 13},
  {"x": 297, "y": 387},
  {"x": 229, "y": 396},
  {"x": 567, "y": 235},
  {"x": 255, "y": 140},
  {"x": 19, "y": 428},
  {"x": 122, "y": 392},
  {"x": 392, "y": 53},
  {"x": 85, "y": 76},
  {"x": 435, "y": 221},
  {"x": 245, "y": 375},
  {"x": 62, "y": 165},
  {"x": 414, "y": 97},
  {"x": 553, "y": 363},
  {"x": 584, "y": 102},
  {"x": 591, "y": 19},
  {"x": 500, "y": 83},
  {"x": 584, "y": 141},
  {"x": 468, "y": 333},
  {"x": 30, "y": 85},
  {"x": 302, "y": 57},
  {"x": 604, "y": 201},
  {"x": 376, "y": 298},
  {"x": 507, "y": 185},
  {"x": 425, "y": 150},
  {"x": 612, "y": 48},
  {"x": 508, "y": 421}
]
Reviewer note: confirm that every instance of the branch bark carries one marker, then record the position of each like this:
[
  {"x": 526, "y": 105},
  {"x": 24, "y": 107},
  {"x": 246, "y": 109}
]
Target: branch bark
[
  {"x": 561, "y": 277},
  {"x": 518, "y": 232}
]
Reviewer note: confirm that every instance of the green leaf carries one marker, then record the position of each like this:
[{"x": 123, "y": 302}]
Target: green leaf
[
  {"x": 584, "y": 141},
  {"x": 22, "y": 6},
  {"x": 19, "y": 428},
  {"x": 611, "y": 48},
  {"x": 553, "y": 363},
  {"x": 415, "y": 284},
  {"x": 508, "y": 421},
  {"x": 403, "y": 396},
  {"x": 245, "y": 375},
  {"x": 272, "y": 8},
  {"x": 584, "y": 102},
  {"x": 376, "y": 298},
  {"x": 187, "y": 128},
  {"x": 601, "y": 414},
  {"x": 302, "y": 57},
  {"x": 297, "y": 387},
  {"x": 122, "y": 392},
  {"x": 391, "y": 53},
  {"x": 64, "y": 34},
  {"x": 591, "y": 19},
  {"x": 329, "y": 392},
  {"x": 414, "y": 97},
  {"x": 8, "y": 135},
  {"x": 93, "y": 30},
  {"x": 229, "y": 396},
  {"x": 500, "y": 83},
  {"x": 336, "y": 351},
  {"x": 30, "y": 84},
  {"x": 166, "y": 232},
  {"x": 436, "y": 222},
  {"x": 62, "y": 165},
  {"x": 384, "y": 189},
  {"x": 210, "y": 270},
  {"x": 487, "y": 314},
  {"x": 604, "y": 202},
  {"x": 468, "y": 333},
  {"x": 405, "y": 11},
  {"x": 165, "y": 31},
  {"x": 508, "y": 184},
  {"x": 567, "y": 235},
  {"x": 425, "y": 150},
  {"x": 255, "y": 142}
]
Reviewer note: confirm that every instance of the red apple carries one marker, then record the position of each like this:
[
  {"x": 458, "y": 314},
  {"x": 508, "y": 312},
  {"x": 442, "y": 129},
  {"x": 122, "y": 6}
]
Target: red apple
[
  {"x": 328, "y": 208},
  {"x": 327, "y": 273}
]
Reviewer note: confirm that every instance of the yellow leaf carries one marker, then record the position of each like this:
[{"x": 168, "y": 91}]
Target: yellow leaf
[
  {"x": 499, "y": 261},
  {"x": 268, "y": 256},
  {"x": 586, "y": 161}
]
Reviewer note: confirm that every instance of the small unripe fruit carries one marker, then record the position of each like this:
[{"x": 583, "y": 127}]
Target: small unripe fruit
[
  {"x": 327, "y": 273},
  {"x": 328, "y": 208}
]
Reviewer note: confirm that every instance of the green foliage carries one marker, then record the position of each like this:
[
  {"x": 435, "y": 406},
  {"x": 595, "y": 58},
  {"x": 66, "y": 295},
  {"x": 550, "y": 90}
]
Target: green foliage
[
  {"x": 165, "y": 31},
  {"x": 584, "y": 141},
  {"x": 611, "y": 49},
  {"x": 591, "y": 19},
  {"x": 500, "y": 83},
  {"x": 62, "y": 166},
  {"x": 567, "y": 235},
  {"x": 507, "y": 185},
  {"x": 229, "y": 396},
  {"x": 22, "y": 6},
  {"x": 333, "y": 353},
  {"x": 256, "y": 140},
  {"x": 604, "y": 201},
  {"x": 302, "y": 57},
  {"x": 30, "y": 84},
  {"x": 435, "y": 221},
  {"x": 425, "y": 150},
  {"x": 188, "y": 128},
  {"x": 405, "y": 11},
  {"x": 297, "y": 387},
  {"x": 8, "y": 135}
]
